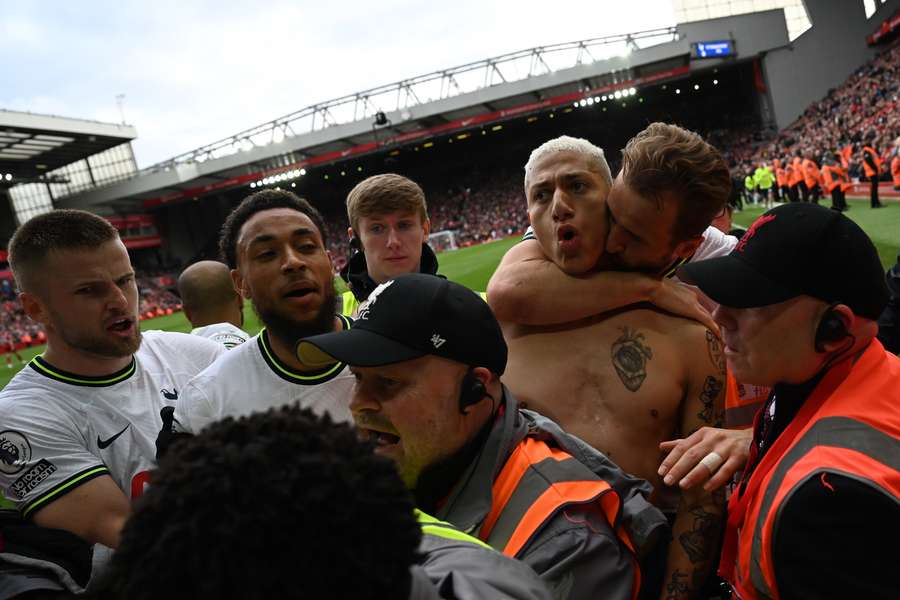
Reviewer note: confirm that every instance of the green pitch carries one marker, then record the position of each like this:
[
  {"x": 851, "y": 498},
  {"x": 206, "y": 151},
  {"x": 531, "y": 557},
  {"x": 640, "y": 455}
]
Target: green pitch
[{"x": 473, "y": 266}]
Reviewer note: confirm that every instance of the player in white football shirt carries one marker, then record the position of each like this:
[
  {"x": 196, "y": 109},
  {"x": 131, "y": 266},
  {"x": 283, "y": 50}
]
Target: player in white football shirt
[
  {"x": 211, "y": 303},
  {"x": 275, "y": 245},
  {"x": 77, "y": 426}
]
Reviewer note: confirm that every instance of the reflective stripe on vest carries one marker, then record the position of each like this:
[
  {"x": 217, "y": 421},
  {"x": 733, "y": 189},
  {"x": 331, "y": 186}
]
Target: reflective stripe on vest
[
  {"x": 442, "y": 529},
  {"x": 841, "y": 444},
  {"x": 350, "y": 304},
  {"x": 536, "y": 483}
]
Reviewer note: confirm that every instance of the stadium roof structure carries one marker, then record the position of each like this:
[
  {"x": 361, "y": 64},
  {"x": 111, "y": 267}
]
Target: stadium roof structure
[
  {"x": 465, "y": 97},
  {"x": 33, "y": 144}
]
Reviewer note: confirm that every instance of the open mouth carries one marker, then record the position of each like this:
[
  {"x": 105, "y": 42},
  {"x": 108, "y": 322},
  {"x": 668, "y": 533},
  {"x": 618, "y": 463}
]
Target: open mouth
[
  {"x": 120, "y": 325},
  {"x": 300, "y": 290},
  {"x": 566, "y": 233},
  {"x": 380, "y": 438}
]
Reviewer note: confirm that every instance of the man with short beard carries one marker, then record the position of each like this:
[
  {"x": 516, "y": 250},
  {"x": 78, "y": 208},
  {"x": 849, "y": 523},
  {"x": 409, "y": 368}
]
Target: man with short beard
[
  {"x": 274, "y": 243},
  {"x": 77, "y": 425}
]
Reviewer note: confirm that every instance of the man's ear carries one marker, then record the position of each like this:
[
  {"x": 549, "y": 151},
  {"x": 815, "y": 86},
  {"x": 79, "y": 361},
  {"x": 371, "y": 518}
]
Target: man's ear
[
  {"x": 34, "y": 308},
  {"x": 426, "y": 226},
  {"x": 687, "y": 248},
  {"x": 239, "y": 285}
]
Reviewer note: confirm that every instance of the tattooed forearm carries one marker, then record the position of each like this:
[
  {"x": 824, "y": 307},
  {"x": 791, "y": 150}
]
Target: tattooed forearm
[
  {"x": 630, "y": 354},
  {"x": 700, "y": 541},
  {"x": 710, "y": 413},
  {"x": 677, "y": 586},
  {"x": 716, "y": 355}
]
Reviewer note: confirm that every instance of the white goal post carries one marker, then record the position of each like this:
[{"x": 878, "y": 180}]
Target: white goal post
[{"x": 442, "y": 240}]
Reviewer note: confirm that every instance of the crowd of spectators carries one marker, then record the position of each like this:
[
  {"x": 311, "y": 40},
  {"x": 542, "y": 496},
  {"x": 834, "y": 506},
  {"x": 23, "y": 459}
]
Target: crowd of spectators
[{"x": 863, "y": 111}]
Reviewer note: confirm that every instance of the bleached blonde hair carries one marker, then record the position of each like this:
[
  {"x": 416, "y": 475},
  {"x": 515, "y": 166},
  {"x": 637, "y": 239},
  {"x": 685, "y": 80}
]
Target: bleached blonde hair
[{"x": 565, "y": 143}]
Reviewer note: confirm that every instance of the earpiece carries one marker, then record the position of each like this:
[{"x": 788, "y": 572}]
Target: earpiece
[
  {"x": 471, "y": 392},
  {"x": 831, "y": 328}
]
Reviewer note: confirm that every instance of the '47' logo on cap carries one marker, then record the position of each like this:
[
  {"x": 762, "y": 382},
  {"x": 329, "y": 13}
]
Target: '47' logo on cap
[
  {"x": 752, "y": 231},
  {"x": 437, "y": 340}
]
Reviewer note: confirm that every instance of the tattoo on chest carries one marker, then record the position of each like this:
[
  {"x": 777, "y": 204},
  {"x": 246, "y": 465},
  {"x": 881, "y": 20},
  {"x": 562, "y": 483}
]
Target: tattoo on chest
[
  {"x": 716, "y": 355},
  {"x": 630, "y": 354},
  {"x": 677, "y": 586},
  {"x": 711, "y": 389}
]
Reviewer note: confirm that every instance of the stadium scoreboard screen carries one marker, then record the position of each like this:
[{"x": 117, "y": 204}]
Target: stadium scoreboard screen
[{"x": 714, "y": 49}]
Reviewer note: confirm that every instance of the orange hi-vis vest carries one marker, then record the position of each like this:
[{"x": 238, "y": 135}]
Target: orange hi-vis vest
[
  {"x": 536, "y": 483},
  {"x": 850, "y": 424},
  {"x": 810, "y": 173},
  {"x": 831, "y": 176},
  {"x": 779, "y": 173},
  {"x": 742, "y": 402},
  {"x": 870, "y": 172},
  {"x": 895, "y": 170},
  {"x": 846, "y": 184},
  {"x": 796, "y": 175},
  {"x": 846, "y": 153}
]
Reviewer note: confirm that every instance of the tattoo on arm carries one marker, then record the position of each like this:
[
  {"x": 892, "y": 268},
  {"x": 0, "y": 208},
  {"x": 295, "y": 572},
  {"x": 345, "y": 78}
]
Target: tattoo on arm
[
  {"x": 711, "y": 389},
  {"x": 630, "y": 354},
  {"x": 677, "y": 586},
  {"x": 700, "y": 541},
  {"x": 716, "y": 355}
]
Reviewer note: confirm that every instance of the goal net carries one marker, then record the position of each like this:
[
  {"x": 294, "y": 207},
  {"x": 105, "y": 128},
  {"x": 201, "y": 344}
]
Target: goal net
[{"x": 441, "y": 241}]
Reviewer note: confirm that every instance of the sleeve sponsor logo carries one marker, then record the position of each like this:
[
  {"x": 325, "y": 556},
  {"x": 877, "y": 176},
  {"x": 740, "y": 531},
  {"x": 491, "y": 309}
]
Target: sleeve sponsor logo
[
  {"x": 15, "y": 452},
  {"x": 32, "y": 478}
]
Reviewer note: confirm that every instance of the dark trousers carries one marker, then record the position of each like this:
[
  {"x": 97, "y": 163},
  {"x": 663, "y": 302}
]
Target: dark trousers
[
  {"x": 804, "y": 191},
  {"x": 776, "y": 192},
  {"x": 838, "y": 200},
  {"x": 816, "y": 193},
  {"x": 793, "y": 193},
  {"x": 873, "y": 192}
]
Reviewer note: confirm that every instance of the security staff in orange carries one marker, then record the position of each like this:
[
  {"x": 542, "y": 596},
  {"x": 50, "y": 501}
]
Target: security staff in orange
[
  {"x": 818, "y": 509},
  {"x": 428, "y": 354},
  {"x": 832, "y": 181},
  {"x": 895, "y": 165},
  {"x": 872, "y": 167},
  {"x": 811, "y": 177}
]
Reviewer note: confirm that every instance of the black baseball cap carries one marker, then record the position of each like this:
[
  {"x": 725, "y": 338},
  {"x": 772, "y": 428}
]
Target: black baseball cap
[
  {"x": 412, "y": 316},
  {"x": 793, "y": 250}
]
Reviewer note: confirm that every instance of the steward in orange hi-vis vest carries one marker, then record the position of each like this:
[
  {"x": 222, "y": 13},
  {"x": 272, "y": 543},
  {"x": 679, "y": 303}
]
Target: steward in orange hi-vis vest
[
  {"x": 817, "y": 511},
  {"x": 850, "y": 427}
]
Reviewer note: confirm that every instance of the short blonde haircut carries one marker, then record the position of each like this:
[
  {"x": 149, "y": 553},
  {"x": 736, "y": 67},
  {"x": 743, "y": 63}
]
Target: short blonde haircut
[
  {"x": 580, "y": 146},
  {"x": 385, "y": 194}
]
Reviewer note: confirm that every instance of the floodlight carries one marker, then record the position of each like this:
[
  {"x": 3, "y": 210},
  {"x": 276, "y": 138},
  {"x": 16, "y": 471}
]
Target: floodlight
[
  {"x": 715, "y": 82},
  {"x": 590, "y": 101},
  {"x": 252, "y": 185},
  {"x": 303, "y": 171},
  {"x": 696, "y": 86},
  {"x": 677, "y": 91}
]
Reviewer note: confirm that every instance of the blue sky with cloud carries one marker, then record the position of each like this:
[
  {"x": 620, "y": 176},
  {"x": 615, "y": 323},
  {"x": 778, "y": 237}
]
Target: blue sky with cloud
[{"x": 193, "y": 72}]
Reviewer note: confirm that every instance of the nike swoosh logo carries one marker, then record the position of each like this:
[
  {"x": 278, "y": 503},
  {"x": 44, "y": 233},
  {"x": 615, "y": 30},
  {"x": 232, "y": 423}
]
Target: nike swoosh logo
[{"x": 105, "y": 443}]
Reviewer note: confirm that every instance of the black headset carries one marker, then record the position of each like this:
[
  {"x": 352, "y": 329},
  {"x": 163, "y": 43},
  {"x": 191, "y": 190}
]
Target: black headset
[
  {"x": 831, "y": 328},
  {"x": 471, "y": 392}
]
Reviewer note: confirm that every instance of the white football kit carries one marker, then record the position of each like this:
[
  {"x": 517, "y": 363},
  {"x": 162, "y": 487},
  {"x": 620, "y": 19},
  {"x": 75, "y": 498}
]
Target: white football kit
[
  {"x": 59, "y": 430},
  {"x": 250, "y": 378}
]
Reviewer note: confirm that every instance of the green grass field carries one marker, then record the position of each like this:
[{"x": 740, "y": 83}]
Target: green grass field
[{"x": 473, "y": 266}]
